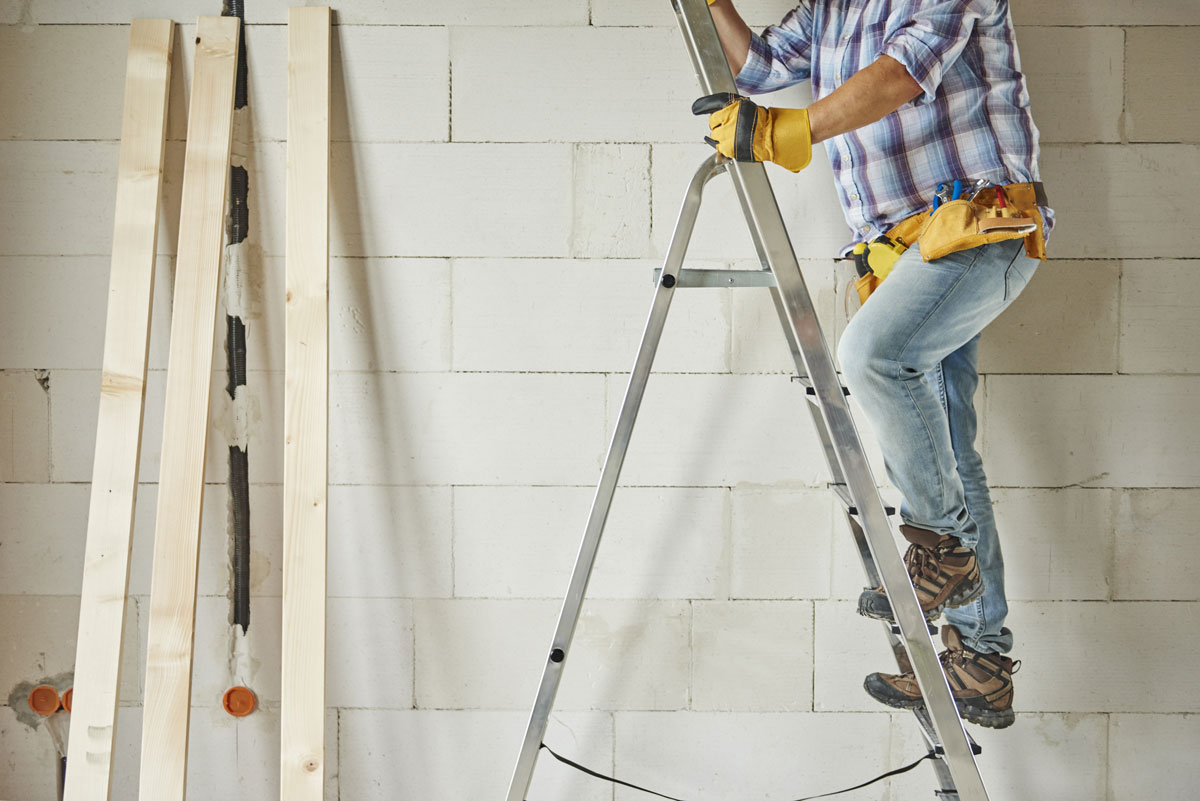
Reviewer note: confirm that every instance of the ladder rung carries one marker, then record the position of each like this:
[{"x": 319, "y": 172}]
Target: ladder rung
[
  {"x": 843, "y": 493},
  {"x": 933, "y": 630},
  {"x": 976, "y": 749},
  {"x": 692, "y": 278},
  {"x": 810, "y": 390}
]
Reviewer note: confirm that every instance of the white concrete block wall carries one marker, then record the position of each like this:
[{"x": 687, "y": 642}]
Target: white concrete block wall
[{"x": 505, "y": 177}]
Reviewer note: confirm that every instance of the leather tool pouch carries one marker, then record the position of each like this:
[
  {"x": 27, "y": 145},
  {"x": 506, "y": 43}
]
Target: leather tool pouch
[{"x": 965, "y": 224}]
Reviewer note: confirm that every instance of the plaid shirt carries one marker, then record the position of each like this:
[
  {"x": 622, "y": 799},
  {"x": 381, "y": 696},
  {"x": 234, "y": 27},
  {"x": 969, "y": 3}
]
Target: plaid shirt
[{"x": 972, "y": 121}]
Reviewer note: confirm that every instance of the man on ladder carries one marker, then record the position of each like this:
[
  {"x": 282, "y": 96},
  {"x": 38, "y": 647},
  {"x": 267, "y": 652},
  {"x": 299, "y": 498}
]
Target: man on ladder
[{"x": 925, "y": 116}]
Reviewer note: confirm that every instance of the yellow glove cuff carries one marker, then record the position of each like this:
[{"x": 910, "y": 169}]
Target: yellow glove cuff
[{"x": 784, "y": 138}]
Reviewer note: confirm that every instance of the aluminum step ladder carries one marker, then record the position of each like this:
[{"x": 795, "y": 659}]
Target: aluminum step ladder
[{"x": 954, "y": 763}]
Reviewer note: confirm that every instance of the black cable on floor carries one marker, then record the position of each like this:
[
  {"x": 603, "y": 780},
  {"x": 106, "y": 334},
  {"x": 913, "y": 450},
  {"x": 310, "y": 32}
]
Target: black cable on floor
[{"x": 596, "y": 774}]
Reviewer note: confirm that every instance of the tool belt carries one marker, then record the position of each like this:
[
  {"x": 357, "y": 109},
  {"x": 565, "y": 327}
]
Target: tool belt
[{"x": 989, "y": 216}]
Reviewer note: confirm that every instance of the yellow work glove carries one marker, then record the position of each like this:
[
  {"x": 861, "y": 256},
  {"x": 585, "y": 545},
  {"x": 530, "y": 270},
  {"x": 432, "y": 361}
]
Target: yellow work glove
[{"x": 744, "y": 131}]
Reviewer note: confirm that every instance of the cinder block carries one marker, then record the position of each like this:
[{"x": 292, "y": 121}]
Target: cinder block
[
  {"x": 56, "y": 182},
  {"x": 612, "y": 201},
  {"x": 781, "y": 542},
  {"x": 453, "y": 755},
  {"x": 75, "y": 397},
  {"x": 388, "y": 542},
  {"x": 452, "y": 639},
  {"x": 740, "y": 755},
  {"x": 579, "y": 316},
  {"x": 11, "y": 11},
  {"x": 1153, "y": 755},
  {"x": 420, "y": 428},
  {"x": 1042, "y": 756},
  {"x": 42, "y": 529},
  {"x": 454, "y": 12},
  {"x": 1162, "y": 108},
  {"x": 1046, "y": 431},
  {"x": 846, "y": 648},
  {"x": 389, "y": 314},
  {"x": 1150, "y": 221},
  {"x": 521, "y": 542},
  {"x": 40, "y": 633},
  {"x": 52, "y": 312},
  {"x": 1074, "y": 76},
  {"x": 720, "y": 430},
  {"x": 1107, "y": 12},
  {"x": 1057, "y": 543},
  {"x": 1139, "y": 662},
  {"x": 390, "y": 84},
  {"x": 627, "y": 654},
  {"x": 752, "y": 656},
  {"x": 757, "y": 13},
  {"x": 1156, "y": 545},
  {"x": 24, "y": 427},
  {"x": 223, "y": 657},
  {"x": 447, "y": 200},
  {"x": 94, "y": 13},
  {"x": 369, "y": 653},
  {"x": 68, "y": 81},
  {"x": 27, "y": 750},
  {"x": 1159, "y": 329},
  {"x": 586, "y": 97},
  {"x": 808, "y": 201},
  {"x": 759, "y": 344},
  {"x": 1064, "y": 322}
]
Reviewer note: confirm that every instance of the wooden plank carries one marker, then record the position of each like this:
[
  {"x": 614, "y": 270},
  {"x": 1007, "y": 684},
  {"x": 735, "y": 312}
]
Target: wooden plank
[
  {"x": 122, "y": 399},
  {"x": 185, "y": 415},
  {"x": 306, "y": 408}
]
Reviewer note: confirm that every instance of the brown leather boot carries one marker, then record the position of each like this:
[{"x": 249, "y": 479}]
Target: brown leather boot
[
  {"x": 981, "y": 684},
  {"x": 943, "y": 571}
]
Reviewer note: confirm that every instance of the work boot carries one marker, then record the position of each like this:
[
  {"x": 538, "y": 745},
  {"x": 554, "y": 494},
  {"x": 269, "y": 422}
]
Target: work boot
[
  {"x": 981, "y": 684},
  {"x": 943, "y": 571}
]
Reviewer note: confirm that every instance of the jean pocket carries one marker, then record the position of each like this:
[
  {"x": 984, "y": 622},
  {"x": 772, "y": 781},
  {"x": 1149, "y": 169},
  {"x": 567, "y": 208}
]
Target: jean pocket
[{"x": 1018, "y": 274}]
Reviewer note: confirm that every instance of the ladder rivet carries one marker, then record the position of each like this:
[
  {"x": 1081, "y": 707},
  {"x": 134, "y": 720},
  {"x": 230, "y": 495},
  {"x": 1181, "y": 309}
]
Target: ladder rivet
[
  {"x": 668, "y": 281},
  {"x": 557, "y": 655}
]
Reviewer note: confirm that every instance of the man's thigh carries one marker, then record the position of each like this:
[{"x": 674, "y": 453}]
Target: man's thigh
[{"x": 925, "y": 311}]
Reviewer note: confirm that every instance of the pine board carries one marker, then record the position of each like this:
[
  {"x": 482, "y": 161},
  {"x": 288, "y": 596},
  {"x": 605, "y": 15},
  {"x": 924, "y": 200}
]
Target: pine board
[
  {"x": 185, "y": 416},
  {"x": 306, "y": 408},
  {"x": 122, "y": 399}
]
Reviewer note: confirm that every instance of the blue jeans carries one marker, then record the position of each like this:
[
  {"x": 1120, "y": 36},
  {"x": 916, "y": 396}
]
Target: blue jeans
[{"x": 910, "y": 358}]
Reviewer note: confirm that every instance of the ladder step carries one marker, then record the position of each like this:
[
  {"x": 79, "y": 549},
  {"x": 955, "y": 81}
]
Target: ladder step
[
  {"x": 710, "y": 279},
  {"x": 843, "y": 493},
  {"x": 810, "y": 390},
  {"x": 933, "y": 630}
]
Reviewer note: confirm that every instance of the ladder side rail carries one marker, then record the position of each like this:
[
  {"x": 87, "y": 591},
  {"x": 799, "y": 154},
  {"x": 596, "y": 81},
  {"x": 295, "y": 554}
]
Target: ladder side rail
[
  {"x": 602, "y": 502},
  {"x": 766, "y": 223}
]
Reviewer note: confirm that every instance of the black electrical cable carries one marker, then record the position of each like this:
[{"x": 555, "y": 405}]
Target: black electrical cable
[{"x": 597, "y": 775}]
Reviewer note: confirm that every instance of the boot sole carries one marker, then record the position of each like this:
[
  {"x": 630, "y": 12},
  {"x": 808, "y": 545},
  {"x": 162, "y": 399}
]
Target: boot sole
[
  {"x": 953, "y": 601},
  {"x": 988, "y": 718}
]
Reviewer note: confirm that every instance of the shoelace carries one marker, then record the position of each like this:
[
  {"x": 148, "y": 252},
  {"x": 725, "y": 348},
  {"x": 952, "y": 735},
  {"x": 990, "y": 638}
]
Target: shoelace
[{"x": 921, "y": 561}]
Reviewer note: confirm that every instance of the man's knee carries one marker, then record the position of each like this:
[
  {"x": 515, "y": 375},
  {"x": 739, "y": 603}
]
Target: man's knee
[{"x": 859, "y": 354}]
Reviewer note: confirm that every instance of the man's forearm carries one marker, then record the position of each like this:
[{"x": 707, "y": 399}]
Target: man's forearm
[
  {"x": 734, "y": 33},
  {"x": 870, "y": 95}
]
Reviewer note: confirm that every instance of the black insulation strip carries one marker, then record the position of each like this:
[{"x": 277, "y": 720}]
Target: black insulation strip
[
  {"x": 597, "y": 775},
  {"x": 239, "y": 479},
  {"x": 239, "y": 488}
]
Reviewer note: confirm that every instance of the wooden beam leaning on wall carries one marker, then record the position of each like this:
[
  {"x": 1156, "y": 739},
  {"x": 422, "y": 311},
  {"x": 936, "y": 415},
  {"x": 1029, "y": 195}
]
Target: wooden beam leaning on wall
[
  {"x": 306, "y": 408},
  {"x": 185, "y": 416},
  {"x": 122, "y": 400}
]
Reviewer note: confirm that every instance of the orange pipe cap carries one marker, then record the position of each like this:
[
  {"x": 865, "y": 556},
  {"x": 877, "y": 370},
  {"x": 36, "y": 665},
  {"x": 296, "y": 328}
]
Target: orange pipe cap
[
  {"x": 66, "y": 699},
  {"x": 239, "y": 701},
  {"x": 44, "y": 700}
]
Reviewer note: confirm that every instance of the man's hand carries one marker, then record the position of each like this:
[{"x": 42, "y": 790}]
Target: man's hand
[{"x": 743, "y": 131}]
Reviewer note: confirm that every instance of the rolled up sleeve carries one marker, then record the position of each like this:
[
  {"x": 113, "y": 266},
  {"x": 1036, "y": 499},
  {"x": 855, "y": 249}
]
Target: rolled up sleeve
[
  {"x": 932, "y": 38},
  {"x": 781, "y": 55}
]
